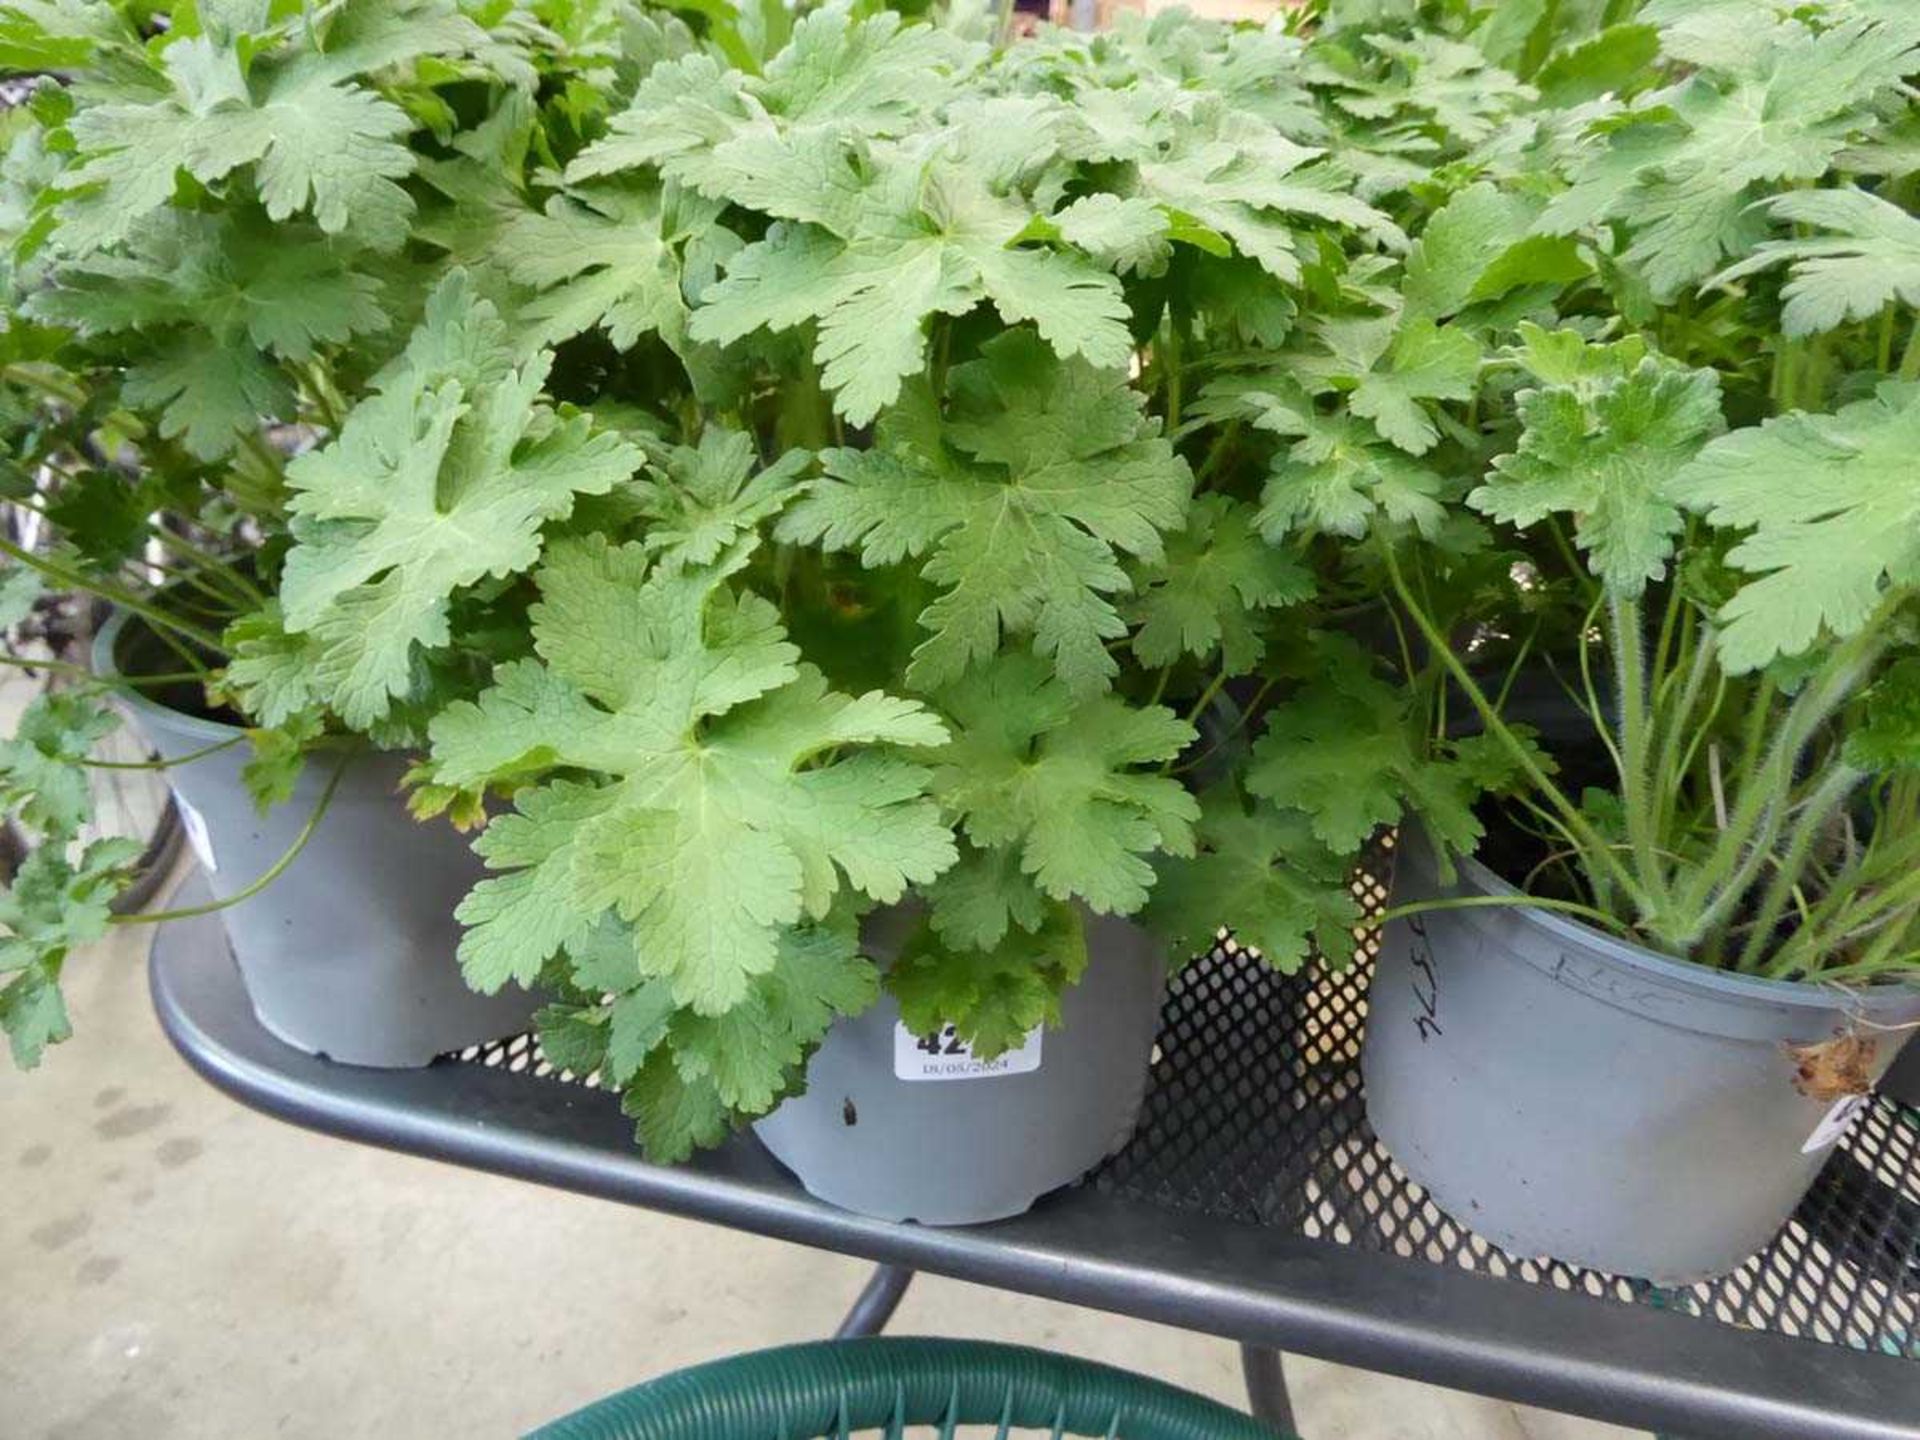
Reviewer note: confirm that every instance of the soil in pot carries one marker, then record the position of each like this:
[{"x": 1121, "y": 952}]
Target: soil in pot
[
  {"x": 349, "y": 952},
  {"x": 904, "y": 1127},
  {"x": 1565, "y": 1093}
]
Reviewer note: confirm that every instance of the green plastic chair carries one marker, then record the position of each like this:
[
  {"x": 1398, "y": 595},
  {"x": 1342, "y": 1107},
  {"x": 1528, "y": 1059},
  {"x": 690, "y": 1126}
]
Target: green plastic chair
[{"x": 837, "y": 1389}]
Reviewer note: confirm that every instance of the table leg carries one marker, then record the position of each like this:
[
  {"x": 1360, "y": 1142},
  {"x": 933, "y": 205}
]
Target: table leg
[
  {"x": 876, "y": 1303},
  {"x": 1267, "y": 1386}
]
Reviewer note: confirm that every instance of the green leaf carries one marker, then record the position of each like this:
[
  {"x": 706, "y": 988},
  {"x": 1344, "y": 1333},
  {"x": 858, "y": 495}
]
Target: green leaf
[
  {"x": 1872, "y": 259},
  {"x": 286, "y": 289},
  {"x": 739, "y": 789},
  {"x": 992, "y": 997},
  {"x": 314, "y": 138},
  {"x": 54, "y": 905},
  {"x": 1126, "y": 235},
  {"x": 208, "y": 394},
  {"x": 1679, "y": 171},
  {"x": 637, "y": 1024},
  {"x": 279, "y": 758},
  {"x": 1345, "y": 752},
  {"x": 271, "y": 673},
  {"x": 572, "y": 1037},
  {"x": 1267, "y": 878},
  {"x": 20, "y": 587},
  {"x": 1834, "y": 515},
  {"x": 986, "y": 893},
  {"x": 1611, "y": 62},
  {"x": 714, "y": 494},
  {"x": 1611, "y": 458},
  {"x": 52, "y": 35},
  {"x": 33, "y": 1013},
  {"x": 43, "y": 778},
  {"x": 673, "y": 1117},
  {"x": 1206, "y": 592},
  {"x": 1339, "y": 480},
  {"x": 1065, "y": 783},
  {"x": 1044, "y": 470},
  {"x": 922, "y": 238},
  {"x": 603, "y": 258},
  {"x": 753, "y": 1053},
  {"x": 1887, "y": 737},
  {"x": 1425, "y": 363},
  {"x": 1478, "y": 246},
  {"x": 441, "y": 478}
]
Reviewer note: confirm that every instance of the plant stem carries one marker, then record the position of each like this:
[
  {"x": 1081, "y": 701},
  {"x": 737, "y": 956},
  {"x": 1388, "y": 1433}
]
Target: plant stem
[
  {"x": 1170, "y": 366},
  {"x": 1206, "y": 697},
  {"x": 1831, "y": 794},
  {"x": 271, "y": 874},
  {"x": 1630, "y": 658},
  {"x": 1594, "y": 849},
  {"x": 1910, "y": 358},
  {"x": 81, "y": 672},
  {"x": 51, "y": 383},
  {"x": 125, "y": 599},
  {"x": 165, "y": 764},
  {"x": 1476, "y": 902},
  {"x": 1741, "y": 849}
]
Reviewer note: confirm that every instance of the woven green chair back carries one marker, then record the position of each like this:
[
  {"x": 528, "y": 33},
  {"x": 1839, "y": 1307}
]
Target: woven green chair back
[{"x": 837, "y": 1390}]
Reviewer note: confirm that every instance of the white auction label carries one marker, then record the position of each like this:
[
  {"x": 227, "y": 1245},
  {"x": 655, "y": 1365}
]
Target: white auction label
[
  {"x": 195, "y": 825},
  {"x": 945, "y": 1056},
  {"x": 1834, "y": 1124}
]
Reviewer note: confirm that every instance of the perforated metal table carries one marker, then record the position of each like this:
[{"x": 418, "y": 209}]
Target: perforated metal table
[{"x": 1253, "y": 1204}]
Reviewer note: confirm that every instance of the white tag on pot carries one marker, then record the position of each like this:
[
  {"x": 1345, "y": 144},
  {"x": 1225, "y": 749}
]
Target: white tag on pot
[
  {"x": 1834, "y": 1123},
  {"x": 195, "y": 824},
  {"x": 945, "y": 1056}
]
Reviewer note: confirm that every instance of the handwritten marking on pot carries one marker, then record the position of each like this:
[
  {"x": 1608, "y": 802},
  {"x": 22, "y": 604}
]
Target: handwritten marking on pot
[
  {"x": 945, "y": 1056},
  {"x": 195, "y": 824},
  {"x": 1834, "y": 1123},
  {"x": 1420, "y": 955}
]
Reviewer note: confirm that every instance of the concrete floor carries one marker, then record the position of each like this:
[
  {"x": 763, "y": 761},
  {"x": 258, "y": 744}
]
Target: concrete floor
[{"x": 172, "y": 1265}]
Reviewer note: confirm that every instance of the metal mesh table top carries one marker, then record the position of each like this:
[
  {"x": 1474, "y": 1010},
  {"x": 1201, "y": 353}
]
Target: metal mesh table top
[
  {"x": 1255, "y": 1113},
  {"x": 1252, "y": 1202}
]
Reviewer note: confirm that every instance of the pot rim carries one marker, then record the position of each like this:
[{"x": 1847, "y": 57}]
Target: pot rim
[
  {"x": 107, "y": 666},
  {"x": 1896, "y": 997}
]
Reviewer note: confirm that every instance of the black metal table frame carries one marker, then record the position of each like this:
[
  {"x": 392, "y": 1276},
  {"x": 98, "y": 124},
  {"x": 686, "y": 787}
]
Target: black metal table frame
[{"x": 1268, "y": 1290}]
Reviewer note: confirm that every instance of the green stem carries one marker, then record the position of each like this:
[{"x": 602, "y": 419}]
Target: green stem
[
  {"x": 1476, "y": 902},
  {"x": 1742, "y": 848},
  {"x": 1251, "y": 709},
  {"x": 1832, "y": 793},
  {"x": 81, "y": 672},
  {"x": 1636, "y": 779},
  {"x": 54, "y": 385},
  {"x": 272, "y": 873},
  {"x": 1216, "y": 452},
  {"x": 1206, "y": 698},
  {"x": 73, "y": 580},
  {"x": 165, "y": 764},
  {"x": 1910, "y": 359},
  {"x": 1170, "y": 364},
  {"x": 1593, "y": 848}
]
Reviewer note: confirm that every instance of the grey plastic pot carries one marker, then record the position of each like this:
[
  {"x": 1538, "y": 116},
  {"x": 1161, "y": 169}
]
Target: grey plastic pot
[
  {"x": 1566, "y": 1094},
  {"x": 349, "y": 952},
  {"x": 971, "y": 1146}
]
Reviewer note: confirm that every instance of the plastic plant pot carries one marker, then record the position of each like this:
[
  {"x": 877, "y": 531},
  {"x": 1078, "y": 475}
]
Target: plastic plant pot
[
  {"x": 349, "y": 952},
  {"x": 906, "y": 1127},
  {"x": 1567, "y": 1094}
]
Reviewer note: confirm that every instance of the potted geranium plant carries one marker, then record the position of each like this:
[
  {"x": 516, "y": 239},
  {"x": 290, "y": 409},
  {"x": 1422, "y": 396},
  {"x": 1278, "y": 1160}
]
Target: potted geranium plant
[
  {"x": 1622, "y": 1015},
  {"x": 892, "y": 729},
  {"x": 211, "y": 251}
]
